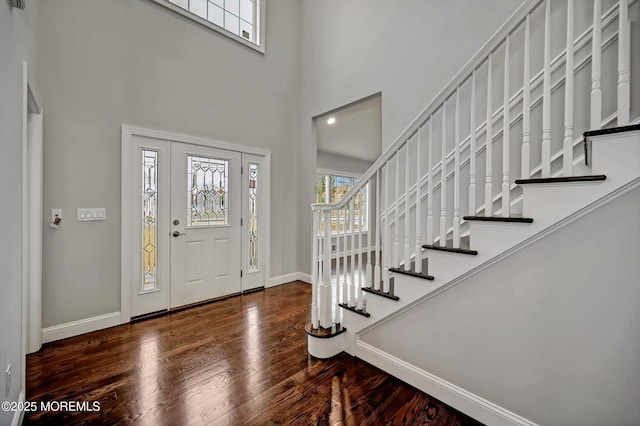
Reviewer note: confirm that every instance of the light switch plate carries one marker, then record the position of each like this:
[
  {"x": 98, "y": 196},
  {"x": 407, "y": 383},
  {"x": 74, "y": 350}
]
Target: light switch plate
[
  {"x": 92, "y": 214},
  {"x": 54, "y": 213}
]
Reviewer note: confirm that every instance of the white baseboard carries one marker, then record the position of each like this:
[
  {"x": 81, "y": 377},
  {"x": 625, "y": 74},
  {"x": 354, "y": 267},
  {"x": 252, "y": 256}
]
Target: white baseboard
[
  {"x": 18, "y": 416},
  {"x": 75, "y": 328},
  {"x": 460, "y": 399},
  {"x": 287, "y": 278}
]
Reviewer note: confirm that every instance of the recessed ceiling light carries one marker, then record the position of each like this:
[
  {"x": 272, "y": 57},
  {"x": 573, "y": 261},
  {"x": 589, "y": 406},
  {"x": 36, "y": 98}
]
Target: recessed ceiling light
[{"x": 331, "y": 120}]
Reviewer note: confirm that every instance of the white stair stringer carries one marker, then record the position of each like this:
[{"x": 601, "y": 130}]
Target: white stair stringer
[
  {"x": 618, "y": 158},
  {"x": 577, "y": 300},
  {"x": 616, "y": 155}
]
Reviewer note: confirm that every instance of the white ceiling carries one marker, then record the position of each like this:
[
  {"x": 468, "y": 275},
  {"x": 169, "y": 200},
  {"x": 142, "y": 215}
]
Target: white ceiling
[{"x": 357, "y": 131}]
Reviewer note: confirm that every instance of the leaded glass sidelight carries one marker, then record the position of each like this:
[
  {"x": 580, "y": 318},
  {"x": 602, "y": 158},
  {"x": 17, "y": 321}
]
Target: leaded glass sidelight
[
  {"x": 253, "y": 217},
  {"x": 149, "y": 219},
  {"x": 208, "y": 191}
]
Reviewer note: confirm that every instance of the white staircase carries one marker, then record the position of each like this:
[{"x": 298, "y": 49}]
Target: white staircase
[{"x": 509, "y": 180}]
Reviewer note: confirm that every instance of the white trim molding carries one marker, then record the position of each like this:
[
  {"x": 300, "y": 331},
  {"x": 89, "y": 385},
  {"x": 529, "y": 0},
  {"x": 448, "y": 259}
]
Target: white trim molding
[
  {"x": 287, "y": 278},
  {"x": 31, "y": 225},
  {"x": 195, "y": 140},
  {"x": 449, "y": 393},
  {"x": 18, "y": 415},
  {"x": 75, "y": 328}
]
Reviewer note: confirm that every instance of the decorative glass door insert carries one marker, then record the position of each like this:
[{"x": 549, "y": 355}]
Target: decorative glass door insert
[
  {"x": 149, "y": 219},
  {"x": 208, "y": 191},
  {"x": 253, "y": 216}
]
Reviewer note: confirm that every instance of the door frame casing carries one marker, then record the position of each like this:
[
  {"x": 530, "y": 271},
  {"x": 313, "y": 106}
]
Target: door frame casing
[
  {"x": 32, "y": 214},
  {"x": 129, "y": 184}
]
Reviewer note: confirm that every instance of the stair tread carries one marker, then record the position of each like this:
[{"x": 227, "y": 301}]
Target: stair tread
[
  {"x": 450, "y": 249},
  {"x": 380, "y": 293},
  {"x": 611, "y": 130},
  {"x": 354, "y": 309},
  {"x": 513, "y": 219},
  {"x": 324, "y": 333},
  {"x": 563, "y": 179},
  {"x": 412, "y": 273}
]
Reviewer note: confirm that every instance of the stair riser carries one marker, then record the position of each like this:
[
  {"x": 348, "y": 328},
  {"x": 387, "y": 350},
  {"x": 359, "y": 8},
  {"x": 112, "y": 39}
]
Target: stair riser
[
  {"x": 382, "y": 306},
  {"x": 617, "y": 156},
  {"x": 550, "y": 202},
  {"x": 449, "y": 264},
  {"x": 495, "y": 237},
  {"x": 409, "y": 288}
]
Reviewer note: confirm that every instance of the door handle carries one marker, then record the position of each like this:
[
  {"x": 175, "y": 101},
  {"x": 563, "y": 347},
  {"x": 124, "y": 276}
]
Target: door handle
[{"x": 177, "y": 234}]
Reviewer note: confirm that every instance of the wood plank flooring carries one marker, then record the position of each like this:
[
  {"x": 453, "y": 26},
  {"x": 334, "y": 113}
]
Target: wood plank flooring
[{"x": 238, "y": 361}]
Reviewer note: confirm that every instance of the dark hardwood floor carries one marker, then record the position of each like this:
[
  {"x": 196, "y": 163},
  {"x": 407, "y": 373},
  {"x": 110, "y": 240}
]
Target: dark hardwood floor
[{"x": 238, "y": 361}]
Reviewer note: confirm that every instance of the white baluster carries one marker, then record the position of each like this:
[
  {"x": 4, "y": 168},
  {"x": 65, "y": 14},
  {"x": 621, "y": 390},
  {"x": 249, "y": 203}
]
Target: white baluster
[
  {"x": 314, "y": 270},
  {"x": 375, "y": 285},
  {"x": 506, "y": 140},
  {"x": 338, "y": 269},
  {"x": 336, "y": 295},
  {"x": 327, "y": 189},
  {"x": 352, "y": 228},
  {"x": 567, "y": 154},
  {"x": 456, "y": 173},
  {"x": 488, "y": 186},
  {"x": 325, "y": 286},
  {"x": 370, "y": 246},
  {"x": 623, "y": 64},
  {"x": 345, "y": 285},
  {"x": 526, "y": 105},
  {"x": 407, "y": 205},
  {"x": 443, "y": 179},
  {"x": 396, "y": 225},
  {"x": 430, "y": 233},
  {"x": 472, "y": 149},
  {"x": 418, "y": 248},
  {"x": 596, "y": 67},
  {"x": 386, "y": 244},
  {"x": 361, "y": 251},
  {"x": 546, "y": 94}
]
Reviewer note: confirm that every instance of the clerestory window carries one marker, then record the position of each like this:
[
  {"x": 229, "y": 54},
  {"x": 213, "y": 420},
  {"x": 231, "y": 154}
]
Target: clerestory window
[{"x": 240, "y": 20}]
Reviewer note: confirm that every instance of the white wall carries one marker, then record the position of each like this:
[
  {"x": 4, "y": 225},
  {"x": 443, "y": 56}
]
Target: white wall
[
  {"x": 549, "y": 333},
  {"x": 16, "y": 46},
  {"x": 407, "y": 50},
  {"x": 342, "y": 163},
  {"x": 105, "y": 63}
]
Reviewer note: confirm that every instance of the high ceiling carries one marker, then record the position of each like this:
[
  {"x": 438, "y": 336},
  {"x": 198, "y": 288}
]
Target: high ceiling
[{"x": 356, "y": 132}]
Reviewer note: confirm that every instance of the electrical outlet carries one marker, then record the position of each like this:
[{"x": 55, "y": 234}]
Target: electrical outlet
[{"x": 7, "y": 381}]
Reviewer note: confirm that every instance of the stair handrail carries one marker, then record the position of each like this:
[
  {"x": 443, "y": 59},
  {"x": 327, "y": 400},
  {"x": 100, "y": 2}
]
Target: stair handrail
[{"x": 346, "y": 266}]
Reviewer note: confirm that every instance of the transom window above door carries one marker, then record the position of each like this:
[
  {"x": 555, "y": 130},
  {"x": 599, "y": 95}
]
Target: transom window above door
[{"x": 240, "y": 20}]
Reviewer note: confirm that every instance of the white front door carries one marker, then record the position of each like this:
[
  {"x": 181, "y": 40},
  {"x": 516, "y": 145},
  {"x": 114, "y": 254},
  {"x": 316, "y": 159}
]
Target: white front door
[
  {"x": 205, "y": 223},
  {"x": 182, "y": 213}
]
